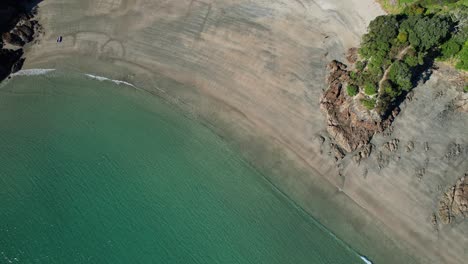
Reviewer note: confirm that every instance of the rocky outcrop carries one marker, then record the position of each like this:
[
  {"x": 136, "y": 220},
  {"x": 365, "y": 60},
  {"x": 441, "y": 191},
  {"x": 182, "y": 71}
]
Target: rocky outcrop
[
  {"x": 454, "y": 202},
  {"x": 17, "y": 28},
  {"x": 352, "y": 55},
  {"x": 349, "y": 124},
  {"x": 363, "y": 153}
]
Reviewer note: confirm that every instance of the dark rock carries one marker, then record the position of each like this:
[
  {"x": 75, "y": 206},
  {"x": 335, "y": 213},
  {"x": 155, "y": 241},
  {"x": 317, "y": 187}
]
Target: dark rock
[
  {"x": 13, "y": 39},
  {"x": 17, "y": 29},
  {"x": 8, "y": 59},
  {"x": 18, "y": 65},
  {"x": 27, "y": 32}
]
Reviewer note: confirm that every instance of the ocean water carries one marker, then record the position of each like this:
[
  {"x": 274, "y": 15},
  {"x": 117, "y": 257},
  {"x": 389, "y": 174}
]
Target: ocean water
[{"x": 96, "y": 172}]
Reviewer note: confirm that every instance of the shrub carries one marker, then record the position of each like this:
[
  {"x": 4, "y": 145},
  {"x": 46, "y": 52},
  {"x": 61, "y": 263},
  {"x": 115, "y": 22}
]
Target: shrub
[
  {"x": 360, "y": 65},
  {"x": 391, "y": 90},
  {"x": 463, "y": 58},
  {"x": 369, "y": 104},
  {"x": 414, "y": 9},
  {"x": 382, "y": 106},
  {"x": 421, "y": 56},
  {"x": 352, "y": 90},
  {"x": 449, "y": 49},
  {"x": 402, "y": 37},
  {"x": 411, "y": 60},
  {"x": 370, "y": 89},
  {"x": 375, "y": 68},
  {"x": 466, "y": 89}
]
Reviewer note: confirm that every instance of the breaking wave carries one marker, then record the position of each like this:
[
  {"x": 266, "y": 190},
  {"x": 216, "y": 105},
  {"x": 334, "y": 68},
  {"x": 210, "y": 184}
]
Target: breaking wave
[
  {"x": 29, "y": 72},
  {"x": 100, "y": 78}
]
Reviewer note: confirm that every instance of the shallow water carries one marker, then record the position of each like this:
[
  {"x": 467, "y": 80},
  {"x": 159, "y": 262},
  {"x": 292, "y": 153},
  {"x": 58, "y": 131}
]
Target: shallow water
[{"x": 95, "y": 172}]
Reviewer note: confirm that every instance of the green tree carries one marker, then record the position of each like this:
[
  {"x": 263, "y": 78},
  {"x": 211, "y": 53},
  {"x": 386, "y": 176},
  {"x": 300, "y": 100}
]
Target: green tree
[
  {"x": 449, "y": 49},
  {"x": 430, "y": 31},
  {"x": 391, "y": 90},
  {"x": 382, "y": 30},
  {"x": 400, "y": 74},
  {"x": 352, "y": 90},
  {"x": 425, "y": 32}
]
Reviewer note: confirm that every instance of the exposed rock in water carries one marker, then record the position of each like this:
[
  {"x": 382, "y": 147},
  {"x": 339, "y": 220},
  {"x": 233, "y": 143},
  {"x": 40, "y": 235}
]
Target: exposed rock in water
[
  {"x": 454, "y": 202},
  {"x": 349, "y": 124},
  {"x": 17, "y": 28}
]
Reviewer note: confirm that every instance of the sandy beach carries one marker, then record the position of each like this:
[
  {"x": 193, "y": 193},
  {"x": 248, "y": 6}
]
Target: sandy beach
[{"x": 253, "y": 72}]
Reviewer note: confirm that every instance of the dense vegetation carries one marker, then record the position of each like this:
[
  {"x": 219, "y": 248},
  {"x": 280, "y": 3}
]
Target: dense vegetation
[
  {"x": 399, "y": 48},
  {"x": 399, "y": 6}
]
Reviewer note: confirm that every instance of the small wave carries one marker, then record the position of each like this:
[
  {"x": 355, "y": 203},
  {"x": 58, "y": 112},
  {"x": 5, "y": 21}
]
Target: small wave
[
  {"x": 100, "y": 78},
  {"x": 30, "y": 72},
  {"x": 366, "y": 260}
]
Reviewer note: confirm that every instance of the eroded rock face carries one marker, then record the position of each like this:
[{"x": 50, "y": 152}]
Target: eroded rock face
[
  {"x": 348, "y": 123},
  {"x": 454, "y": 202}
]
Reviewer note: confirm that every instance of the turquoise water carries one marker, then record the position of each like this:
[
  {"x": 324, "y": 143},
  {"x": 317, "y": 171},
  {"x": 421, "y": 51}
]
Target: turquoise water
[{"x": 94, "y": 172}]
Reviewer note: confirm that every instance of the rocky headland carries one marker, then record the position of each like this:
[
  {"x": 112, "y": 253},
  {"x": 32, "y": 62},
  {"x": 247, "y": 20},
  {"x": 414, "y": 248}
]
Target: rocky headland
[
  {"x": 17, "y": 28},
  {"x": 348, "y": 122}
]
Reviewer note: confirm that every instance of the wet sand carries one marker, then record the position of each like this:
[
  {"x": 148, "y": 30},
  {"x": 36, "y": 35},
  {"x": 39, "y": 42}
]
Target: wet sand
[{"x": 253, "y": 71}]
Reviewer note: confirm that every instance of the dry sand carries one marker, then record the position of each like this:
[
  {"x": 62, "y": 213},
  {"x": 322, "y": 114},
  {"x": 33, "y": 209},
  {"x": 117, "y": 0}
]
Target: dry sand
[{"x": 253, "y": 71}]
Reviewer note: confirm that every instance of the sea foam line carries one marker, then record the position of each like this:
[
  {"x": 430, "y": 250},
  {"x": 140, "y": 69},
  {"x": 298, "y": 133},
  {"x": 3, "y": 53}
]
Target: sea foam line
[
  {"x": 31, "y": 72},
  {"x": 100, "y": 78},
  {"x": 366, "y": 260}
]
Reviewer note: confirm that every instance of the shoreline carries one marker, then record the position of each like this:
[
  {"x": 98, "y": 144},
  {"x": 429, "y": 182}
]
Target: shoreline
[
  {"x": 200, "y": 74},
  {"x": 37, "y": 72}
]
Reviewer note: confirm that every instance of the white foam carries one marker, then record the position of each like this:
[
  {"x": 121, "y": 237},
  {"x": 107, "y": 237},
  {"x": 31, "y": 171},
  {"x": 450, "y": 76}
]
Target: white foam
[
  {"x": 30, "y": 72},
  {"x": 100, "y": 78},
  {"x": 366, "y": 260}
]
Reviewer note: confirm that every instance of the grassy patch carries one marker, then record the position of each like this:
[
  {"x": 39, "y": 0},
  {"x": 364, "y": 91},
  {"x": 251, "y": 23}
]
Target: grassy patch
[
  {"x": 369, "y": 104},
  {"x": 352, "y": 90}
]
